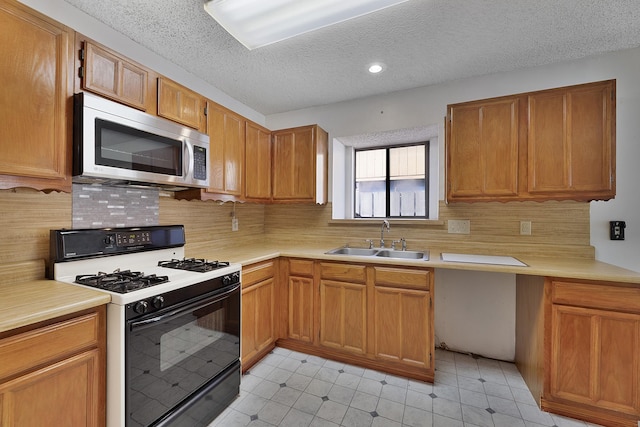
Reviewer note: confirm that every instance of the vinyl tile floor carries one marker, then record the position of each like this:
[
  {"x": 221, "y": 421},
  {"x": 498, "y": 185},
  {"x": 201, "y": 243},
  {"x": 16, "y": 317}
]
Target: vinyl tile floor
[{"x": 288, "y": 388}]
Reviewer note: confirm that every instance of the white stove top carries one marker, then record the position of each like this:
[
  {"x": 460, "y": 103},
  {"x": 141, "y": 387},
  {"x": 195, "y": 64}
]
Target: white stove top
[{"x": 146, "y": 262}]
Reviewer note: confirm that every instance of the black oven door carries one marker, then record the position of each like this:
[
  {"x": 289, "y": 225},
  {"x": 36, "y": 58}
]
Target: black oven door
[{"x": 175, "y": 355}]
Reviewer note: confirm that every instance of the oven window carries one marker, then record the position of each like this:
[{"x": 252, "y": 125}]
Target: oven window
[
  {"x": 133, "y": 149},
  {"x": 187, "y": 340}
]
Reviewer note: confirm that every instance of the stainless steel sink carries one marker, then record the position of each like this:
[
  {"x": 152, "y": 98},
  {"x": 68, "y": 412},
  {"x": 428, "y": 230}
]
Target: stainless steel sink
[
  {"x": 385, "y": 253},
  {"x": 353, "y": 251},
  {"x": 390, "y": 253}
]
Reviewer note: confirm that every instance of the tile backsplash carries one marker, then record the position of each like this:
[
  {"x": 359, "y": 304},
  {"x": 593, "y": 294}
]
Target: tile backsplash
[{"x": 98, "y": 206}]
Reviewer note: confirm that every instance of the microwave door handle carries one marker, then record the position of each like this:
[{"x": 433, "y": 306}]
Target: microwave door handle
[
  {"x": 143, "y": 324},
  {"x": 188, "y": 158}
]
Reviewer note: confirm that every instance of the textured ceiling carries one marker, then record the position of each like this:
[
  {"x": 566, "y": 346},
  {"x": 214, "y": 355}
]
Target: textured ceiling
[{"x": 421, "y": 42}]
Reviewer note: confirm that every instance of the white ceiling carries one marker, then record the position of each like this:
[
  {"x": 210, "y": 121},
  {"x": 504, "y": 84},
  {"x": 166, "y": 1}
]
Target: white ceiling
[{"x": 421, "y": 42}]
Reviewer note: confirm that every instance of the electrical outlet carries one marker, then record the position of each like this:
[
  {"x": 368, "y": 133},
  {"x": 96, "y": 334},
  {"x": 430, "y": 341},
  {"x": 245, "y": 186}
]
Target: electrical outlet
[
  {"x": 525, "y": 228},
  {"x": 459, "y": 226},
  {"x": 234, "y": 224}
]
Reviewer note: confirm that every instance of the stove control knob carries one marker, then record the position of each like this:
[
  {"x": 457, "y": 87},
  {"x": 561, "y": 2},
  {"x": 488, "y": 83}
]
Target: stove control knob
[
  {"x": 141, "y": 307},
  {"x": 226, "y": 280},
  {"x": 235, "y": 277},
  {"x": 110, "y": 240},
  {"x": 158, "y": 302}
]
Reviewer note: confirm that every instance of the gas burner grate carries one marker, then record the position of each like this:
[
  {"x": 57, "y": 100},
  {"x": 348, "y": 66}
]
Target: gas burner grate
[
  {"x": 198, "y": 265},
  {"x": 120, "y": 281}
]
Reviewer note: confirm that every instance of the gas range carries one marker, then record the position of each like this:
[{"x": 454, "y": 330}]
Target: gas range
[
  {"x": 173, "y": 321},
  {"x": 131, "y": 263}
]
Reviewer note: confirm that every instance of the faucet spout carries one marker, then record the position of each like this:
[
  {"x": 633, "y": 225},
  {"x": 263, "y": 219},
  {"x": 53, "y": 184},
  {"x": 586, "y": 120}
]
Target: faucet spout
[{"x": 385, "y": 223}]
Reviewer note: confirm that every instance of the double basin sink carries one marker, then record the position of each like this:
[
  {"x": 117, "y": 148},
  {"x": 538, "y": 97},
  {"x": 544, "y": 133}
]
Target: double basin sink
[{"x": 380, "y": 252}]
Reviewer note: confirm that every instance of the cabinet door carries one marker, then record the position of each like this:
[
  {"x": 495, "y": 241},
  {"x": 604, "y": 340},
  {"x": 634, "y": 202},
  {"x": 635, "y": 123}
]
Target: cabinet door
[
  {"x": 63, "y": 394},
  {"x": 112, "y": 76},
  {"x": 595, "y": 358},
  {"x": 301, "y": 308},
  {"x": 294, "y": 161},
  {"x": 227, "y": 139},
  {"x": 35, "y": 113},
  {"x": 257, "y": 162},
  {"x": 571, "y": 141},
  {"x": 343, "y": 312},
  {"x": 179, "y": 104},
  {"x": 402, "y": 326},
  {"x": 257, "y": 318},
  {"x": 482, "y": 150}
]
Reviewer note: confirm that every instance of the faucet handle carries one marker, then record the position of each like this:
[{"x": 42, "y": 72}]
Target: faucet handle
[
  {"x": 404, "y": 243},
  {"x": 393, "y": 244},
  {"x": 370, "y": 242}
]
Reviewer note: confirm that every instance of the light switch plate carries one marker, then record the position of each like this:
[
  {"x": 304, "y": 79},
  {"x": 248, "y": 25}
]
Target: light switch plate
[
  {"x": 616, "y": 230},
  {"x": 459, "y": 226},
  {"x": 525, "y": 228}
]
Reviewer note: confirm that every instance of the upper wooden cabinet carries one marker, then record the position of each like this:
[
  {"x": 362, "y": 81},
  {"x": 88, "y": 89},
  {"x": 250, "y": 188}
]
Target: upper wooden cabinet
[
  {"x": 35, "y": 113},
  {"x": 226, "y": 145},
  {"x": 181, "y": 105},
  {"x": 571, "y": 141},
  {"x": 300, "y": 165},
  {"x": 109, "y": 74},
  {"x": 257, "y": 163},
  {"x": 555, "y": 144},
  {"x": 483, "y": 145}
]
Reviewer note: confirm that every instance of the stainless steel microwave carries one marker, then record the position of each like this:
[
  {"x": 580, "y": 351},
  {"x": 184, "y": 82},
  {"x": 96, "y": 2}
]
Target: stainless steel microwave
[{"x": 117, "y": 145}]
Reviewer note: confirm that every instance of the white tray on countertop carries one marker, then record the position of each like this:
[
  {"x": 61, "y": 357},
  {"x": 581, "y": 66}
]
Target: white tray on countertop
[{"x": 482, "y": 259}]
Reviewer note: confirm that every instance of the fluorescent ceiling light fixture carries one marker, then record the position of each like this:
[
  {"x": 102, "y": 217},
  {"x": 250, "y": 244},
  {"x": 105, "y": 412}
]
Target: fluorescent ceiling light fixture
[{"x": 257, "y": 23}]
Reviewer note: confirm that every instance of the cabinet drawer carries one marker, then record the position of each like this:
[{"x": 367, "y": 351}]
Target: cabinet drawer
[
  {"x": 344, "y": 272},
  {"x": 402, "y": 277},
  {"x": 49, "y": 343},
  {"x": 301, "y": 267},
  {"x": 255, "y": 273},
  {"x": 604, "y": 296}
]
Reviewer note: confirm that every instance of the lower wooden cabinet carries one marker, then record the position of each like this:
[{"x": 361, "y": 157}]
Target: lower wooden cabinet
[
  {"x": 376, "y": 316},
  {"x": 401, "y": 325},
  {"x": 300, "y": 291},
  {"x": 594, "y": 352},
  {"x": 403, "y": 316},
  {"x": 343, "y": 307},
  {"x": 258, "y": 311},
  {"x": 55, "y": 374}
]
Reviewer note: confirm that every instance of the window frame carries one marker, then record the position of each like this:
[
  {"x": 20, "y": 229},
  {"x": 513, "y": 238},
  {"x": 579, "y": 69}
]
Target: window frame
[{"x": 388, "y": 148}]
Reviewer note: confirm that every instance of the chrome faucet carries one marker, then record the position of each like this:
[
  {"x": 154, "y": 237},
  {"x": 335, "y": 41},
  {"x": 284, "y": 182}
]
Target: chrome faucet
[{"x": 385, "y": 223}]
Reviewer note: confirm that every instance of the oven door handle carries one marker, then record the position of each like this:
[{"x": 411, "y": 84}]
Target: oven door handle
[{"x": 142, "y": 324}]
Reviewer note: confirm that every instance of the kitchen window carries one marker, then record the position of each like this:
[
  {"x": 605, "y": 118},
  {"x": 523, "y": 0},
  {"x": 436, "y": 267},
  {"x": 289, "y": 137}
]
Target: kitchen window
[
  {"x": 402, "y": 180},
  {"x": 391, "y": 182}
]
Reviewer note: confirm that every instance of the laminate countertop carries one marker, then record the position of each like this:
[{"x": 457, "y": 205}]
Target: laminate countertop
[
  {"x": 573, "y": 268},
  {"x": 25, "y": 303}
]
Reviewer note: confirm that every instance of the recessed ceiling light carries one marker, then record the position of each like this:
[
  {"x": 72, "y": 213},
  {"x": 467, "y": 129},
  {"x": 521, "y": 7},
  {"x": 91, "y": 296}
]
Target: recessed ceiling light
[
  {"x": 256, "y": 23},
  {"x": 375, "y": 68}
]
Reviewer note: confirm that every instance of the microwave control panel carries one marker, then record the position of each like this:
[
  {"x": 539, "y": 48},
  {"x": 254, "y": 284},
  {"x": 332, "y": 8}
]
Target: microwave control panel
[{"x": 200, "y": 162}]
